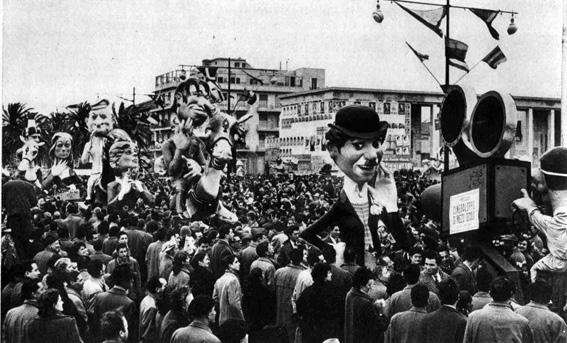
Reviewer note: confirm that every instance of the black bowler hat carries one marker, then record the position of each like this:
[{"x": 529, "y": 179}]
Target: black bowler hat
[{"x": 359, "y": 121}]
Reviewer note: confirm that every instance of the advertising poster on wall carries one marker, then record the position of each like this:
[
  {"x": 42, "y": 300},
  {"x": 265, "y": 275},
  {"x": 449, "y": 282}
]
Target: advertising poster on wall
[{"x": 397, "y": 144}]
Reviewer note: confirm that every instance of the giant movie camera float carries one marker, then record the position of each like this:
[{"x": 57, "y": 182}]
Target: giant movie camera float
[{"x": 476, "y": 197}]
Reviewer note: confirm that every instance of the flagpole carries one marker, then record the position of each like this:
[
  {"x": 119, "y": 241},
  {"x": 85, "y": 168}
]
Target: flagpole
[
  {"x": 430, "y": 73},
  {"x": 427, "y": 68},
  {"x": 474, "y": 66},
  {"x": 447, "y": 82}
]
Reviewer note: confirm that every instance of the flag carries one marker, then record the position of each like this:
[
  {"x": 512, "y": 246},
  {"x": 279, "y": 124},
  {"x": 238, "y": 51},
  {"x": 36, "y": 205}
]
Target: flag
[
  {"x": 487, "y": 16},
  {"x": 422, "y": 57},
  {"x": 456, "y": 51},
  {"x": 253, "y": 77},
  {"x": 431, "y": 18},
  {"x": 494, "y": 58}
]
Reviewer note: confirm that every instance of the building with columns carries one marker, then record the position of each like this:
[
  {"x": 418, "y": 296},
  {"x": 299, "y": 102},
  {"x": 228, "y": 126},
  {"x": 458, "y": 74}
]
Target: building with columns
[
  {"x": 541, "y": 120},
  {"x": 414, "y": 134},
  {"x": 234, "y": 76}
]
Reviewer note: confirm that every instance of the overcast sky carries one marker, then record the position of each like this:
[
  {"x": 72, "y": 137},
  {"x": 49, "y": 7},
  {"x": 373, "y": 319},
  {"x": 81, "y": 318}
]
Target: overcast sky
[{"x": 59, "y": 52}]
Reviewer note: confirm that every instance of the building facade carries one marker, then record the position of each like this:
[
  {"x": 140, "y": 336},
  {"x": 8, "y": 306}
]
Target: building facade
[
  {"x": 234, "y": 76},
  {"x": 414, "y": 134}
]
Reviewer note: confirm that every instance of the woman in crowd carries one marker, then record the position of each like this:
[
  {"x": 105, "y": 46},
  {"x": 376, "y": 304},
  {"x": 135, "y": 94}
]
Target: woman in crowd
[
  {"x": 179, "y": 276},
  {"x": 202, "y": 280},
  {"x": 51, "y": 325}
]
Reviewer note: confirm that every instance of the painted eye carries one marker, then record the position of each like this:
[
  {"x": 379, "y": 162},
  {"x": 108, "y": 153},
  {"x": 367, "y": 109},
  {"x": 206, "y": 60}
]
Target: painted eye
[{"x": 358, "y": 146}]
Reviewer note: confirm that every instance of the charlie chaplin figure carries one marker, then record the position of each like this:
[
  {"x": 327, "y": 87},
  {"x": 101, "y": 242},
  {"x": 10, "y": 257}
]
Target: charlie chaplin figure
[{"x": 369, "y": 193}]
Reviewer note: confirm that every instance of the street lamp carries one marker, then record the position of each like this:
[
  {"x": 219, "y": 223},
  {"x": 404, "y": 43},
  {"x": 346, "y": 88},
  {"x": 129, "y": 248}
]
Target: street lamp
[
  {"x": 378, "y": 15},
  {"x": 512, "y": 28}
]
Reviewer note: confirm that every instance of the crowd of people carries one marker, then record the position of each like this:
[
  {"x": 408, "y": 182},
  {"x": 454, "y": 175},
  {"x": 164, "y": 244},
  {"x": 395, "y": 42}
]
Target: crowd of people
[{"x": 146, "y": 274}]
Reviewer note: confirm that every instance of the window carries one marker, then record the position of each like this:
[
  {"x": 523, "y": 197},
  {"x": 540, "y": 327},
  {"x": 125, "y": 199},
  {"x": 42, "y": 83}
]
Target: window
[
  {"x": 237, "y": 80},
  {"x": 322, "y": 107},
  {"x": 292, "y": 81},
  {"x": 314, "y": 83},
  {"x": 306, "y": 108},
  {"x": 237, "y": 64},
  {"x": 220, "y": 79},
  {"x": 372, "y": 105},
  {"x": 232, "y": 80}
]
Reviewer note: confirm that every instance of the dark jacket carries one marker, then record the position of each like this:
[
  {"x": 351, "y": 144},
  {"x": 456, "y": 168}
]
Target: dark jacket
[
  {"x": 113, "y": 299},
  {"x": 259, "y": 307},
  {"x": 363, "y": 324},
  {"x": 446, "y": 325},
  {"x": 318, "y": 308},
  {"x": 202, "y": 282},
  {"x": 171, "y": 322},
  {"x": 57, "y": 328},
  {"x": 465, "y": 278},
  {"x": 343, "y": 215},
  {"x": 218, "y": 252}
]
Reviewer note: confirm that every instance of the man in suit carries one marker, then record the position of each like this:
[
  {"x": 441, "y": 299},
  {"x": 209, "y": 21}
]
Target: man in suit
[
  {"x": 401, "y": 300},
  {"x": 497, "y": 321},
  {"x": 73, "y": 220},
  {"x": 369, "y": 192},
  {"x": 113, "y": 299},
  {"x": 447, "y": 324},
  {"x": 407, "y": 326},
  {"x": 221, "y": 249},
  {"x": 202, "y": 310},
  {"x": 464, "y": 273},
  {"x": 432, "y": 275},
  {"x": 546, "y": 326},
  {"x": 363, "y": 321}
]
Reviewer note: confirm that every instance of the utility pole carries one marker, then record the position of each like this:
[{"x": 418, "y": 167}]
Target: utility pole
[
  {"x": 134, "y": 96},
  {"x": 228, "y": 103}
]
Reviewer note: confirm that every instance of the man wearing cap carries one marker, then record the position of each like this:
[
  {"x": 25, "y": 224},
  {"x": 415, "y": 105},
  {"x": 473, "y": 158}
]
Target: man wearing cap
[
  {"x": 369, "y": 192},
  {"x": 554, "y": 169}
]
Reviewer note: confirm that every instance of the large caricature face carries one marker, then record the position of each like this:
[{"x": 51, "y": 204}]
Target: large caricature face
[
  {"x": 124, "y": 155},
  {"x": 61, "y": 148},
  {"x": 100, "y": 121},
  {"x": 358, "y": 158},
  {"x": 192, "y": 102}
]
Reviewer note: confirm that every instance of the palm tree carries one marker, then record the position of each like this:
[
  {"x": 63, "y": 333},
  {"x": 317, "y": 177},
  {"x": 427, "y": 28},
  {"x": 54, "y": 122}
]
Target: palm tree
[
  {"x": 14, "y": 121},
  {"x": 60, "y": 122},
  {"x": 77, "y": 125}
]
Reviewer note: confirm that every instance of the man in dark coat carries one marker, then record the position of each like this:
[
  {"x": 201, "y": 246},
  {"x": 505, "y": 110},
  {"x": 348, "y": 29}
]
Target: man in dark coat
[
  {"x": 363, "y": 322},
  {"x": 221, "y": 249},
  {"x": 18, "y": 197},
  {"x": 406, "y": 326},
  {"x": 464, "y": 272},
  {"x": 369, "y": 192},
  {"x": 284, "y": 280},
  {"x": 447, "y": 324},
  {"x": 116, "y": 298}
]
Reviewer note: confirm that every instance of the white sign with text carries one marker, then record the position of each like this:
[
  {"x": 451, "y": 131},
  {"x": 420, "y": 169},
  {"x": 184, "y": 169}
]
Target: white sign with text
[{"x": 463, "y": 211}]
